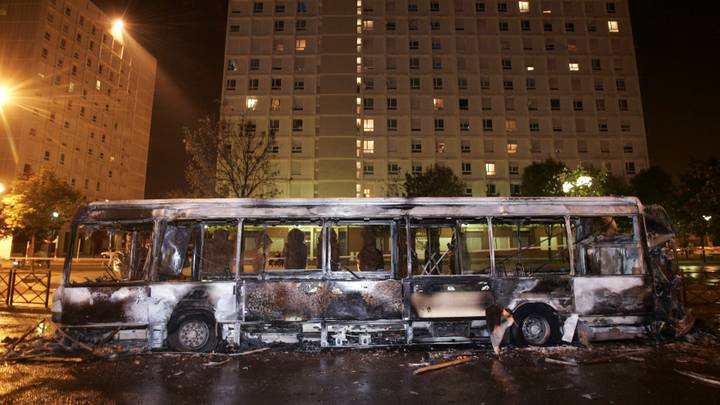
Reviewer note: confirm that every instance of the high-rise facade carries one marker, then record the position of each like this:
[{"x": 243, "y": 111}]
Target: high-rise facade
[
  {"x": 79, "y": 97},
  {"x": 358, "y": 92}
]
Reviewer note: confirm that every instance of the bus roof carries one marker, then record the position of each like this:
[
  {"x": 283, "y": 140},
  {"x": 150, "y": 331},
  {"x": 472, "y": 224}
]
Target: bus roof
[{"x": 372, "y": 208}]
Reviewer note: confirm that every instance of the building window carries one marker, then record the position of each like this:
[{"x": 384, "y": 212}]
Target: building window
[
  {"x": 466, "y": 168},
  {"x": 438, "y": 104},
  {"x": 613, "y": 26},
  {"x": 254, "y": 64},
  {"x": 439, "y": 124},
  {"x": 300, "y": 45},
  {"x": 511, "y": 147},
  {"x": 437, "y": 83},
  {"x": 368, "y": 147},
  {"x": 628, "y": 148},
  {"x": 555, "y": 104},
  {"x": 602, "y": 126},
  {"x": 620, "y": 84},
  {"x": 392, "y": 104},
  {"x": 510, "y": 125},
  {"x": 393, "y": 168},
  {"x": 507, "y": 64},
  {"x": 464, "y": 104},
  {"x": 577, "y": 105},
  {"x": 534, "y": 126},
  {"x": 485, "y": 83},
  {"x": 479, "y": 7},
  {"x": 502, "y": 7},
  {"x": 415, "y": 83},
  {"x": 392, "y": 124},
  {"x": 625, "y": 127},
  {"x": 253, "y": 84},
  {"x": 569, "y": 27},
  {"x": 276, "y": 84},
  {"x": 299, "y": 84},
  {"x": 413, "y": 44},
  {"x": 490, "y": 169},
  {"x": 508, "y": 84},
  {"x": 503, "y": 26},
  {"x": 416, "y": 168},
  {"x": 464, "y": 124},
  {"x": 630, "y": 168},
  {"x": 414, "y": 63},
  {"x": 274, "y": 126},
  {"x": 296, "y": 147},
  {"x": 465, "y": 146},
  {"x": 524, "y": 6},
  {"x": 595, "y": 64},
  {"x": 368, "y": 104},
  {"x": 368, "y": 125},
  {"x": 297, "y": 125},
  {"x": 491, "y": 190},
  {"x": 258, "y": 7},
  {"x": 416, "y": 146},
  {"x": 301, "y": 7},
  {"x": 436, "y": 63},
  {"x": 487, "y": 124},
  {"x": 525, "y": 25},
  {"x": 251, "y": 103},
  {"x": 574, "y": 66},
  {"x": 279, "y": 26},
  {"x": 623, "y": 105}
]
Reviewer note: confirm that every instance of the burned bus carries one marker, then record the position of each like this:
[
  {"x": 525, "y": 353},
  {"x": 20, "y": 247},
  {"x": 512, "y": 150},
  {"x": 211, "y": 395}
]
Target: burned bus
[{"x": 190, "y": 274}]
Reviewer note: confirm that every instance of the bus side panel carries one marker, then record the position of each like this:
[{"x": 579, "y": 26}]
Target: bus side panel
[
  {"x": 553, "y": 290},
  {"x": 303, "y": 300},
  {"x": 613, "y": 295},
  {"x": 442, "y": 297},
  {"x": 85, "y": 306}
]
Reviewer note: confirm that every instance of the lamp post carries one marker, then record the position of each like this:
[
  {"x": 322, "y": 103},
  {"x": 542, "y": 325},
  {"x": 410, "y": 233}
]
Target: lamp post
[{"x": 703, "y": 237}]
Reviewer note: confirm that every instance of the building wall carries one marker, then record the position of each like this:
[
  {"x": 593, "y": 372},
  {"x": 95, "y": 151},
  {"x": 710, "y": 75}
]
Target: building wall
[
  {"x": 390, "y": 87},
  {"x": 82, "y": 97}
]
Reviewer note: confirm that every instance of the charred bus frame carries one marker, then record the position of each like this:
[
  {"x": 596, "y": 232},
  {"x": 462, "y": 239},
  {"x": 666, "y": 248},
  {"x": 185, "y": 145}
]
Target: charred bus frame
[{"x": 432, "y": 289}]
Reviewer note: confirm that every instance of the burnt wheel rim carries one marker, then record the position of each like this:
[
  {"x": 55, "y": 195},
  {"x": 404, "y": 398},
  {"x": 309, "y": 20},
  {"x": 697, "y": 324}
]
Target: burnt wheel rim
[
  {"x": 536, "y": 329},
  {"x": 194, "y": 334}
]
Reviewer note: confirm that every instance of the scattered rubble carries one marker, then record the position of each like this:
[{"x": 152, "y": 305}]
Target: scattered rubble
[{"x": 700, "y": 377}]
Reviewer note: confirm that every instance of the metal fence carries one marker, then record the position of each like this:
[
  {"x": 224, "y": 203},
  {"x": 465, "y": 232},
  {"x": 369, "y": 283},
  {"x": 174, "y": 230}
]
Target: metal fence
[{"x": 30, "y": 287}]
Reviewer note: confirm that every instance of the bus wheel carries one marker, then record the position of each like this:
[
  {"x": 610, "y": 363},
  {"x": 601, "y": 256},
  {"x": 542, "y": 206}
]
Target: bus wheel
[
  {"x": 535, "y": 326},
  {"x": 193, "y": 332}
]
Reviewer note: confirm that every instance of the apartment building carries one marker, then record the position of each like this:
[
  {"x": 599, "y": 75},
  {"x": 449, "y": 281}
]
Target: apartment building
[
  {"x": 78, "y": 97},
  {"x": 359, "y": 92}
]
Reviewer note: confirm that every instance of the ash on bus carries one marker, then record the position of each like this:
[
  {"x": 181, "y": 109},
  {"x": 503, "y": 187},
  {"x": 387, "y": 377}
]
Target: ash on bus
[{"x": 190, "y": 274}]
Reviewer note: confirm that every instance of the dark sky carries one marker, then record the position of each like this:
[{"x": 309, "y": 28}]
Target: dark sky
[{"x": 677, "y": 45}]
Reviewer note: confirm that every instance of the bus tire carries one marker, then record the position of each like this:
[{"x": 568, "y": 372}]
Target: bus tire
[
  {"x": 535, "y": 325},
  {"x": 193, "y": 332}
]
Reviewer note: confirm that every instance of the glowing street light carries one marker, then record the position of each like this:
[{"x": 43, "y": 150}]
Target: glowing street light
[
  {"x": 117, "y": 28},
  {"x": 55, "y": 214},
  {"x": 2, "y": 188},
  {"x": 705, "y": 217},
  {"x": 5, "y": 95}
]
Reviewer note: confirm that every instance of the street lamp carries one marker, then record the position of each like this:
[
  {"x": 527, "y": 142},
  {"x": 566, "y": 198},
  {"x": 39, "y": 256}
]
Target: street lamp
[
  {"x": 117, "y": 28},
  {"x": 2, "y": 188},
  {"x": 5, "y": 95},
  {"x": 704, "y": 238},
  {"x": 55, "y": 215}
]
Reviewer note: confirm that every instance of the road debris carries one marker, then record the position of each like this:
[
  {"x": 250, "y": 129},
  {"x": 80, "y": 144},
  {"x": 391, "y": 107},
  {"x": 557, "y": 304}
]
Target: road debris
[
  {"x": 458, "y": 361},
  {"x": 561, "y": 362},
  {"x": 498, "y": 321},
  {"x": 700, "y": 377}
]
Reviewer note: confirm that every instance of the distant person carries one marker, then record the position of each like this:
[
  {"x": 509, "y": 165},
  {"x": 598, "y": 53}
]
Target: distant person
[
  {"x": 295, "y": 251},
  {"x": 370, "y": 258}
]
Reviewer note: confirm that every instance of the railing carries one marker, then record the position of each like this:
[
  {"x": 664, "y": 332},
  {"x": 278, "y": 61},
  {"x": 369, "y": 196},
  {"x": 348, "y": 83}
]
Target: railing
[
  {"x": 20, "y": 286},
  {"x": 701, "y": 285}
]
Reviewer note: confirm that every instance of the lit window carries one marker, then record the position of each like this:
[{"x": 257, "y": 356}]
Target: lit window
[
  {"x": 512, "y": 147},
  {"x": 369, "y": 146},
  {"x": 524, "y": 6},
  {"x": 368, "y": 25},
  {"x": 251, "y": 103},
  {"x": 510, "y": 125},
  {"x": 490, "y": 169},
  {"x": 98, "y": 85},
  {"x": 368, "y": 125},
  {"x": 529, "y": 68},
  {"x": 300, "y": 44},
  {"x": 574, "y": 67},
  {"x": 275, "y": 104},
  {"x": 613, "y": 26},
  {"x": 438, "y": 103}
]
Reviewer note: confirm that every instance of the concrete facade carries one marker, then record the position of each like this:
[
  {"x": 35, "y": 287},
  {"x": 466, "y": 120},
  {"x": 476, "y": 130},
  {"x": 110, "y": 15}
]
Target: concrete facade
[
  {"x": 359, "y": 92},
  {"x": 82, "y": 96}
]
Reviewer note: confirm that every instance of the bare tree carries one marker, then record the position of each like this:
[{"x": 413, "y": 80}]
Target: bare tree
[{"x": 229, "y": 159}]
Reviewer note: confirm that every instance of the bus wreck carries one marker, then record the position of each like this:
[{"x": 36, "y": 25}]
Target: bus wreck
[{"x": 191, "y": 274}]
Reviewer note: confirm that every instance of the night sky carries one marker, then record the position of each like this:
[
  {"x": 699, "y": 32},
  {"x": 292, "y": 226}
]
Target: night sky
[{"x": 677, "y": 45}]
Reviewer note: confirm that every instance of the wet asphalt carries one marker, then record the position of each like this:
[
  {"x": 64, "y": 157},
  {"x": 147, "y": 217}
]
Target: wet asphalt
[{"x": 623, "y": 373}]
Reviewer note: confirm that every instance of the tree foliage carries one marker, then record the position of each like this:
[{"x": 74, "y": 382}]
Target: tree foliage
[
  {"x": 229, "y": 159},
  {"x": 698, "y": 208},
  {"x": 27, "y": 210},
  {"x": 654, "y": 186},
  {"x": 541, "y": 179},
  {"x": 436, "y": 181}
]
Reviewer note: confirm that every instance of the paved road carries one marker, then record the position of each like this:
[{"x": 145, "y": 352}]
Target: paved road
[{"x": 378, "y": 376}]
